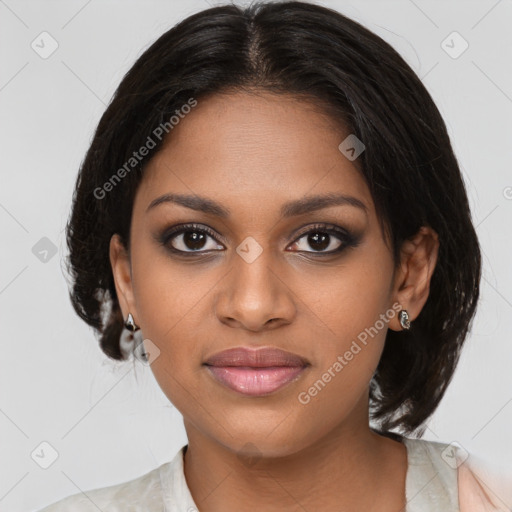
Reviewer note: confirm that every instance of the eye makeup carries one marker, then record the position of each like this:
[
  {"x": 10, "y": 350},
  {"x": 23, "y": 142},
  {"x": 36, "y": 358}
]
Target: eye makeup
[{"x": 180, "y": 239}]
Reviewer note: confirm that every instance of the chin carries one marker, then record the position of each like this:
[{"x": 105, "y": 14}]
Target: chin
[{"x": 254, "y": 444}]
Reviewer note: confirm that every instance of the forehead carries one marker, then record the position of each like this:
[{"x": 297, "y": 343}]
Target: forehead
[{"x": 264, "y": 147}]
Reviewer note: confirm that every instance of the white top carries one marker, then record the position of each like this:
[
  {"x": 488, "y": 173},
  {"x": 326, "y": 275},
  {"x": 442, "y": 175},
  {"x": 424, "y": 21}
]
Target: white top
[{"x": 437, "y": 480}]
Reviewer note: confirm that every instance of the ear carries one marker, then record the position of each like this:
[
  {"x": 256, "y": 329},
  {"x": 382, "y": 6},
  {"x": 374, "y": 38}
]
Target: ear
[
  {"x": 121, "y": 270},
  {"x": 412, "y": 280}
]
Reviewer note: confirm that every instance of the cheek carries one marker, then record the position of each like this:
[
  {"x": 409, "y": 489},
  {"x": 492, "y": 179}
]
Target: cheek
[
  {"x": 175, "y": 309},
  {"x": 351, "y": 313},
  {"x": 171, "y": 313},
  {"x": 169, "y": 295},
  {"x": 349, "y": 299}
]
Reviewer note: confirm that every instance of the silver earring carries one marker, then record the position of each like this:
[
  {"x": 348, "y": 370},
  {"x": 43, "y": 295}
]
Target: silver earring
[
  {"x": 131, "y": 338},
  {"x": 130, "y": 324},
  {"x": 404, "y": 319}
]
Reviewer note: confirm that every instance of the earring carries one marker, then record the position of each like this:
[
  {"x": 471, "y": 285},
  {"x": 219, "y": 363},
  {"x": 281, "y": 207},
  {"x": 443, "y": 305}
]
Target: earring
[
  {"x": 130, "y": 324},
  {"x": 129, "y": 341},
  {"x": 404, "y": 319}
]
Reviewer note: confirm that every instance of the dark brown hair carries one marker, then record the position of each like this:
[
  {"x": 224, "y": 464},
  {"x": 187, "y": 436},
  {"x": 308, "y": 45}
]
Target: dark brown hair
[{"x": 409, "y": 166}]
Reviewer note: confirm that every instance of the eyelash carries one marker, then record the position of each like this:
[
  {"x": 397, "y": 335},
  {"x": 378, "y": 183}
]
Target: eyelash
[{"x": 347, "y": 238}]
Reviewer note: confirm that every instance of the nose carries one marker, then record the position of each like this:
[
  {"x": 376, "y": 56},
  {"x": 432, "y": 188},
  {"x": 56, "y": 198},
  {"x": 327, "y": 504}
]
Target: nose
[{"x": 254, "y": 296}]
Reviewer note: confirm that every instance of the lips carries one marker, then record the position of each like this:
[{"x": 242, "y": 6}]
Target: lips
[
  {"x": 255, "y": 372},
  {"x": 256, "y": 358}
]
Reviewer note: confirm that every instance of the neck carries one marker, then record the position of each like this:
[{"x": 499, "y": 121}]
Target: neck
[{"x": 349, "y": 468}]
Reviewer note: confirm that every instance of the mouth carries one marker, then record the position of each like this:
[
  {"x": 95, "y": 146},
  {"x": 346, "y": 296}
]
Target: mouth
[{"x": 255, "y": 372}]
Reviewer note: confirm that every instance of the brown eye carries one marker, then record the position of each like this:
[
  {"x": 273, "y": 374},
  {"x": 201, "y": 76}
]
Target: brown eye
[
  {"x": 324, "y": 239},
  {"x": 193, "y": 240},
  {"x": 318, "y": 241},
  {"x": 190, "y": 239}
]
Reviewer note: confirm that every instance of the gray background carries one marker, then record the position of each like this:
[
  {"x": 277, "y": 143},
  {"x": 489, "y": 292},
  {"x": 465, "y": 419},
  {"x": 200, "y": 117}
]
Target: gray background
[{"x": 110, "y": 422}]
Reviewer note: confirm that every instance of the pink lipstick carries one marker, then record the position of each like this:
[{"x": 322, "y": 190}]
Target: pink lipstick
[{"x": 255, "y": 372}]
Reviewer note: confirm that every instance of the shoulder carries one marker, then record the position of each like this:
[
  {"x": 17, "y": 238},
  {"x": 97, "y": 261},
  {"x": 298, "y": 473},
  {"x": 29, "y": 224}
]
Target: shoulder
[
  {"x": 482, "y": 489},
  {"x": 141, "y": 493},
  {"x": 447, "y": 471},
  {"x": 431, "y": 475}
]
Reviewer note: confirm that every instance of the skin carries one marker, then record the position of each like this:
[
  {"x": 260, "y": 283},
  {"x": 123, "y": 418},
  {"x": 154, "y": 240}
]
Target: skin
[{"x": 252, "y": 153}]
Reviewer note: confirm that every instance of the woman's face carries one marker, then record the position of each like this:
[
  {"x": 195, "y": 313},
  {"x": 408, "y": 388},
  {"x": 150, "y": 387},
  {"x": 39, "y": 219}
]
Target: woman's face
[{"x": 271, "y": 272}]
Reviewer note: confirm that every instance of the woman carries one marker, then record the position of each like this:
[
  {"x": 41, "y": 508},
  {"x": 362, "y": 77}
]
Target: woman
[{"x": 272, "y": 206}]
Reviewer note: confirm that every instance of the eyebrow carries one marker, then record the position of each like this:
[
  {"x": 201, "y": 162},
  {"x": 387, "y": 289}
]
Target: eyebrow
[{"x": 293, "y": 208}]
